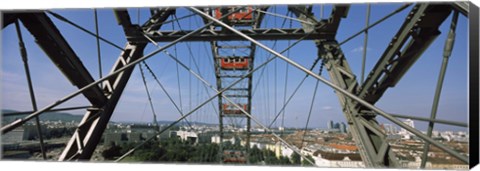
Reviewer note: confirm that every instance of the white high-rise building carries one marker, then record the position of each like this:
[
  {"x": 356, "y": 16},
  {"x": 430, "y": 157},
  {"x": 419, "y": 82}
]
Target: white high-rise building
[
  {"x": 406, "y": 134},
  {"x": 409, "y": 122}
]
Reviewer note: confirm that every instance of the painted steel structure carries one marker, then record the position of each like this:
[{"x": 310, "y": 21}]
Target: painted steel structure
[{"x": 417, "y": 32}]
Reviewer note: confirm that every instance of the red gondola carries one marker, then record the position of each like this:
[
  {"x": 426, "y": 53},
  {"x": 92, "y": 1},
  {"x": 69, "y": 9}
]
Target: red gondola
[
  {"x": 244, "y": 15},
  {"x": 232, "y": 110},
  {"x": 234, "y": 63}
]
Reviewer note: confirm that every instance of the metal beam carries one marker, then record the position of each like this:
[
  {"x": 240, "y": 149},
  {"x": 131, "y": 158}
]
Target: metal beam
[
  {"x": 368, "y": 140},
  {"x": 438, "y": 90},
  {"x": 365, "y": 131},
  {"x": 90, "y": 133},
  {"x": 7, "y": 18},
  {"x": 218, "y": 35},
  {"x": 85, "y": 139},
  {"x": 421, "y": 28},
  {"x": 49, "y": 38},
  {"x": 23, "y": 52},
  {"x": 440, "y": 121},
  {"x": 338, "y": 12},
  {"x": 123, "y": 19},
  {"x": 462, "y": 7},
  {"x": 160, "y": 14}
]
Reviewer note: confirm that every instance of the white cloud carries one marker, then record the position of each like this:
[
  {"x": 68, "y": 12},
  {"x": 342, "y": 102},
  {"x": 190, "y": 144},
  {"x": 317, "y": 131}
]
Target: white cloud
[
  {"x": 360, "y": 49},
  {"x": 327, "y": 108}
]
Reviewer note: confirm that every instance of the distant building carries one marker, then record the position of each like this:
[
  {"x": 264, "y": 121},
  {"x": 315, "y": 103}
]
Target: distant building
[
  {"x": 327, "y": 159},
  {"x": 343, "y": 128},
  {"x": 336, "y": 126},
  {"x": 23, "y": 133},
  {"x": 342, "y": 148},
  {"x": 187, "y": 136},
  {"x": 406, "y": 134},
  {"x": 216, "y": 139},
  {"x": 14, "y": 136},
  {"x": 390, "y": 129},
  {"x": 330, "y": 124}
]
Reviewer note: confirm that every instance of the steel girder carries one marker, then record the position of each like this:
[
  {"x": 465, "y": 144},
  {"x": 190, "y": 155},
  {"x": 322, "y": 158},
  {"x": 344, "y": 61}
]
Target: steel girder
[
  {"x": 218, "y": 35},
  {"x": 366, "y": 132},
  {"x": 88, "y": 134},
  {"x": 243, "y": 93},
  {"x": 7, "y": 18},
  {"x": 419, "y": 29},
  {"x": 422, "y": 24},
  {"x": 49, "y": 38},
  {"x": 462, "y": 7}
]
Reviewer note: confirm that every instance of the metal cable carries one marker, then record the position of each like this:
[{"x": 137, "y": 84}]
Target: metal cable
[
  {"x": 61, "y": 18},
  {"x": 178, "y": 74},
  {"x": 98, "y": 44},
  {"x": 365, "y": 41},
  {"x": 155, "y": 122},
  {"x": 23, "y": 53},
  {"x": 195, "y": 64},
  {"x": 377, "y": 22},
  {"x": 295, "y": 91},
  {"x": 311, "y": 106},
  {"x": 166, "y": 92},
  {"x": 286, "y": 82}
]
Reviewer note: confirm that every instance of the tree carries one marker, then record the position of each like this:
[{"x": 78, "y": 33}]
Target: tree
[
  {"x": 306, "y": 163},
  {"x": 256, "y": 155},
  {"x": 111, "y": 152},
  {"x": 295, "y": 157}
]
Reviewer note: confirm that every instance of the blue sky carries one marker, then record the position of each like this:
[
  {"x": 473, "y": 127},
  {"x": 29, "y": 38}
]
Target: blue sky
[{"x": 413, "y": 95}]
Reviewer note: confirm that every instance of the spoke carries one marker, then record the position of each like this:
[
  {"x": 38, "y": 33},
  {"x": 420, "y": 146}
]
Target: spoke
[
  {"x": 24, "y": 55},
  {"x": 365, "y": 40},
  {"x": 446, "y": 122},
  {"x": 377, "y": 22},
  {"x": 98, "y": 44},
  {"x": 310, "y": 111},
  {"x": 155, "y": 122},
  {"x": 166, "y": 92},
  {"x": 195, "y": 63},
  {"x": 438, "y": 91},
  {"x": 295, "y": 92},
  {"x": 173, "y": 20},
  {"x": 286, "y": 84},
  {"x": 61, "y": 18},
  {"x": 270, "y": 55},
  {"x": 178, "y": 74}
]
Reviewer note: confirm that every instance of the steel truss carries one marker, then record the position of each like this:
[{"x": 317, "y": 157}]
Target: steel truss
[
  {"x": 414, "y": 36},
  {"x": 241, "y": 94}
]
